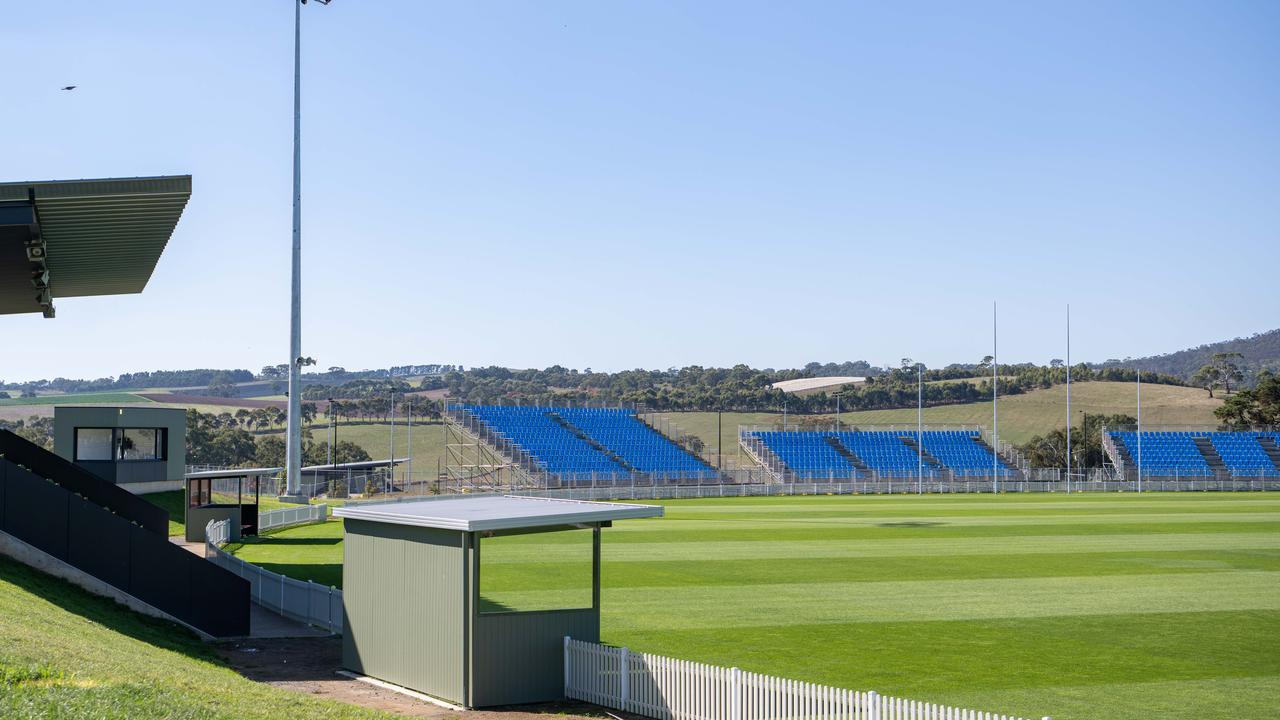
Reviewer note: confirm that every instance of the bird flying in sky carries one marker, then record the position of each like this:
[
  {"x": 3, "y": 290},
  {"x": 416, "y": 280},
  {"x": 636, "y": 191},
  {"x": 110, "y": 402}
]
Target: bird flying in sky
[{"x": 69, "y": 87}]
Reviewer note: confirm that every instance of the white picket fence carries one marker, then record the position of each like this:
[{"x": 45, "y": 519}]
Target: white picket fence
[
  {"x": 292, "y": 516},
  {"x": 671, "y": 689}
]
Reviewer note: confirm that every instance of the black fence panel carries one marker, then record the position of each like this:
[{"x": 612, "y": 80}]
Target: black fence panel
[
  {"x": 35, "y": 511},
  {"x": 160, "y": 574},
  {"x": 122, "y": 554},
  {"x": 82, "y": 482},
  {"x": 98, "y": 542},
  {"x": 219, "y": 598}
]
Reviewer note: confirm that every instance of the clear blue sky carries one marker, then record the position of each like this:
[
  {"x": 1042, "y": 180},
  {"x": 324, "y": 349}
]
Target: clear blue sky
[{"x": 617, "y": 185}]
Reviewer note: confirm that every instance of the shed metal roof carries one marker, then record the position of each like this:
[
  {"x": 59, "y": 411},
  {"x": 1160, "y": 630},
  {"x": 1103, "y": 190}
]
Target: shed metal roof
[
  {"x": 495, "y": 512},
  {"x": 102, "y": 237}
]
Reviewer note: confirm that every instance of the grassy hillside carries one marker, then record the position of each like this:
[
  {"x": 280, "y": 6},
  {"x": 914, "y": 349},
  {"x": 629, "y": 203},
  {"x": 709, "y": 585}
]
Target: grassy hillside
[
  {"x": 1125, "y": 607},
  {"x": 67, "y": 654},
  {"x": 375, "y": 438},
  {"x": 103, "y": 398},
  {"x": 1021, "y": 416}
]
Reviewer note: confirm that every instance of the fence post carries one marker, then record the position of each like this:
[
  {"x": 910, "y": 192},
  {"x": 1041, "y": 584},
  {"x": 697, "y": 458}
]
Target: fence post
[
  {"x": 566, "y": 666},
  {"x": 735, "y": 693},
  {"x": 624, "y": 677},
  {"x": 873, "y": 705}
]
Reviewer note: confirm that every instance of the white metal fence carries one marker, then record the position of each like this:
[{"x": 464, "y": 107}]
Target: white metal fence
[
  {"x": 670, "y": 689},
  {"x": 292, "y": 516},
  {"x": 308, "y": 602}
]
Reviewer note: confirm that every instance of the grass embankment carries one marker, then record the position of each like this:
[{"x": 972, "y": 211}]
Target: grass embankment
[
  {"x": 1120, "y": 606},
  {"x": 67, "y": 654},
  {"x": 375, "y": 438},
  {"x": 1021, "y": 416}
]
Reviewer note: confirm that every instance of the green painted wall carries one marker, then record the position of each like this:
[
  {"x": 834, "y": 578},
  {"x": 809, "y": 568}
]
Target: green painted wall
[
  {"x": 404, "y": 606},
  {"x": 411, "y": 617}
]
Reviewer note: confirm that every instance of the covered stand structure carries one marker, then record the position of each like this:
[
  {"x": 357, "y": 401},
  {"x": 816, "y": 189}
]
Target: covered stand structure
[
  {"x": 76, "y": 238},
  {"x": 224, "y": 495},
  {"x": 469, "y": 599}
]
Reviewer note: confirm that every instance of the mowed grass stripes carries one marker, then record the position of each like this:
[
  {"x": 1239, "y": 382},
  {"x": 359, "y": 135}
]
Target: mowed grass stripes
[{"x": 1080, "y": 606}]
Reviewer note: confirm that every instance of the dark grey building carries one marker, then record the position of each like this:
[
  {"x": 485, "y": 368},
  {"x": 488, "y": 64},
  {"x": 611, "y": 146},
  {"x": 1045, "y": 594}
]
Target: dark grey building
[
  {"x": 142, "y": 449},
  {"x": 469, "y": 599}
]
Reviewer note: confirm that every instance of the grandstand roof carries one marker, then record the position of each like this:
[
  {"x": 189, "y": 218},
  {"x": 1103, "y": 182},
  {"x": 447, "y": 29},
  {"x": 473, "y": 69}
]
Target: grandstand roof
[
  {"x": 495, "y": 512},
  {"x": 75, "y": 238},
  {"x": 802, "y": 386}
]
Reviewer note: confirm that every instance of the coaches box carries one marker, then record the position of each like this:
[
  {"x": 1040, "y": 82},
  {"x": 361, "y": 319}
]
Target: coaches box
[{"x": 469, "y": 599}]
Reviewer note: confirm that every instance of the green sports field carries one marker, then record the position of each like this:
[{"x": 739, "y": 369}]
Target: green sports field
[{"x": 1082, "y": 606}]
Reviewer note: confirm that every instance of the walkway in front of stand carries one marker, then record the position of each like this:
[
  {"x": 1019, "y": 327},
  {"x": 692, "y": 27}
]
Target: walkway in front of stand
[{"x": 262, "y": 622}]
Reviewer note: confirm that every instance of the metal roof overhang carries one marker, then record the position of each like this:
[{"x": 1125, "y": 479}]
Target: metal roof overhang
[
  {"x": 506, "y": 512},
  {"x": 77, "y": 238}
]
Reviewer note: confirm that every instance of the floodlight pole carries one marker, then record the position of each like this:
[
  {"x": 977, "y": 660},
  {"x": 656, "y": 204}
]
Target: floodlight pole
[
  {"x": 293, "y": 441},
  {"x": 1139, "y": 429},
  {"x": 995, "y": 407},
  {"x": 919, "y": 428},
  {"x": 1069, "y": 398}
]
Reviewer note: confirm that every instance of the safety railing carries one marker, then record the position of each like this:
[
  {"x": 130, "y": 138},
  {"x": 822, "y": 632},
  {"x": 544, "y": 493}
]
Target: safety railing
[{"x": 304, "y": 601}]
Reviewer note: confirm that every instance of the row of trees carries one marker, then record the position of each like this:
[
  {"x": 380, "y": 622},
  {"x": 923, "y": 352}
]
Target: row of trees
[
  {"x": 212, "y": 440},
  {"x": 742, "y": 388},
  {"x": 201, "y": 377}
]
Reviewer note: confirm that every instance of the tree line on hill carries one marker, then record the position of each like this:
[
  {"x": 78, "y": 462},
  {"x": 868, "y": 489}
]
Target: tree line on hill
[
  {"x": 745, "y": 389},
  {"x": 221, "y": 440},
  {"x": 1254, "y": 354},
  {"x": 134, "y": 381}
]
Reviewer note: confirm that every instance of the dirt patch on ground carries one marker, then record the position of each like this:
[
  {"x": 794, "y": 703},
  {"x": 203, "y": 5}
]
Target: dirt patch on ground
[{"x": 310, "y": 665}]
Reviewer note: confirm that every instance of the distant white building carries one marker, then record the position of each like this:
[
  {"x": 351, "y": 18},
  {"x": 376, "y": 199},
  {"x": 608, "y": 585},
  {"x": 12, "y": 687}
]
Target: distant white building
[{"x": 810, "y": 386}]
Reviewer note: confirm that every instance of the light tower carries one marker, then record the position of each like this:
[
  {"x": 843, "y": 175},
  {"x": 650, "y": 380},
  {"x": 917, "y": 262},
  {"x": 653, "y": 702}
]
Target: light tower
[{"x": 293, "y": 442}]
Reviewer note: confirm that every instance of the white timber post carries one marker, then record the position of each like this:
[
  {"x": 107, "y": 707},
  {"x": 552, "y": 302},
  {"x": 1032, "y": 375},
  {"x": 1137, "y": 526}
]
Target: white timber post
[
  {"x": 566, "y": 666},
  {"x": 624, "y": 677},
  {"x": 735, "y": 694},
  {"x": 873, "y": 705}
]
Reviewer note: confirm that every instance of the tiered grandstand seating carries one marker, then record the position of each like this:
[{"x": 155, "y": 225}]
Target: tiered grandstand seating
[
  {"x": 1174, "y": 453},
  {"x": 553, "y": 447},
  {"x": 887, "y": 453},
  {"x": 960, "y": 452},
  {"x": 808, "y": 455},
  {"x": 883, "y": 451},
  {"x": 1166, "y": 453},
  {"x": 639, "y": 445},
  {"x": 550, "y": 436},
  {"x": 1242, "y": 454}
]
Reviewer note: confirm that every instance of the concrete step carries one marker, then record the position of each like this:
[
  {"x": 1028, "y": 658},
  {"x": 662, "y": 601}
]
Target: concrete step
[{"x": 1210, "y": 453}]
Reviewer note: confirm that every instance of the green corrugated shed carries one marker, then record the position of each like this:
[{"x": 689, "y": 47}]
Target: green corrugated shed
[{"x": 411, "y": 595}]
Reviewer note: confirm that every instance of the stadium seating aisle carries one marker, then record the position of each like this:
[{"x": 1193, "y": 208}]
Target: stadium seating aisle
[{"x": 808, "y": 455}]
